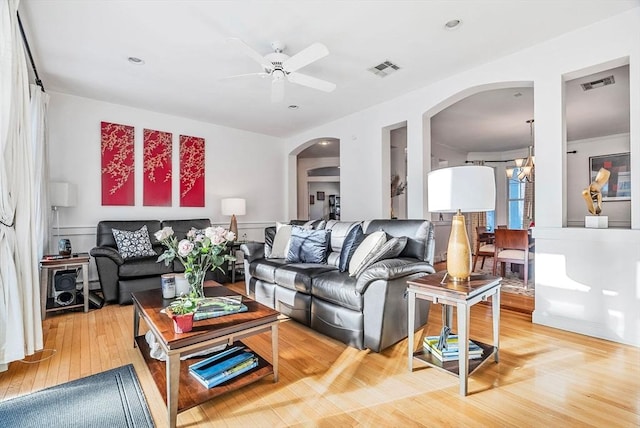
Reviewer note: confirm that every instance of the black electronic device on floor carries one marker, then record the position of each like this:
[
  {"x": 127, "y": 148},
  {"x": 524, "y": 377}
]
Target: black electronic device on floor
[{"x": 64, "y": 287}]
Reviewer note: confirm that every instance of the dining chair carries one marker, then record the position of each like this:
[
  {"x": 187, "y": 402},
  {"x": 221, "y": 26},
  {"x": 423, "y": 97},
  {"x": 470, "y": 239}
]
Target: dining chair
[
  {"x": 513, "y": 246},
  {"x": 484, "y": 246}
]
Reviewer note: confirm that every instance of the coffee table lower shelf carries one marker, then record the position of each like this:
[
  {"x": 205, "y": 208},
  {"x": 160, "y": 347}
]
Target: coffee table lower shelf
[
  {"x": 192, "y": 392},
  {"x": 454, "y": 365}
]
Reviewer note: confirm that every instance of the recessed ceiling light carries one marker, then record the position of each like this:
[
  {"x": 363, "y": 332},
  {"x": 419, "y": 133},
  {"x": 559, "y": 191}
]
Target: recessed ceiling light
[
  {"x": 293, "y": 107},
  {"x": 453, "y": 24},
  {"x": 324, "y": 143},
  {"x": 135, "y": 60}
]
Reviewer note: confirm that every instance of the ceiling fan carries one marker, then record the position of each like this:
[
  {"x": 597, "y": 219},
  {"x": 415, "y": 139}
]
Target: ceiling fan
[{"x": 281, "y": 67}]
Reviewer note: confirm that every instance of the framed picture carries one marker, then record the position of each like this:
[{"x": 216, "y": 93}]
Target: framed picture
[
  {"x": 321, "y": 196},
  {"x": 311, "y": 200},
  {"x": 618, "y": 188}
]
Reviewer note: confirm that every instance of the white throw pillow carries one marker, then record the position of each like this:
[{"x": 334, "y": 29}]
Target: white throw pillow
[
  {"x": 280, "y": 247},
  {"x": 367, "y": 249}
]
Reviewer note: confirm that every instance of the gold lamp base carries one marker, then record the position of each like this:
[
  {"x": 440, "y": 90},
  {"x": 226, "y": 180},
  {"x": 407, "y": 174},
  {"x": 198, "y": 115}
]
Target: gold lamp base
[
  {"x": 233, "y": 227},
  {"x": 458, "y": 250}
]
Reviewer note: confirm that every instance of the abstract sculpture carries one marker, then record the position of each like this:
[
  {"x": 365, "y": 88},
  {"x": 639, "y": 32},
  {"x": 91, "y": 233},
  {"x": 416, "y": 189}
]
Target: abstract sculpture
[{"x": 593, "y": 194}]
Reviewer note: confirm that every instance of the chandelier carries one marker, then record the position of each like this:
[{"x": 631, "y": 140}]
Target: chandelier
[{"x": 526, "y": 165}]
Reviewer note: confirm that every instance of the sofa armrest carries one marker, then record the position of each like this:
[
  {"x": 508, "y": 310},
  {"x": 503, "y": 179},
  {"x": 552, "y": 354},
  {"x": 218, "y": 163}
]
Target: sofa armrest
[
  {"x": 109, "y": 252},
  {"x": 391, "y": 269},
  {"x": 252, "y": 251}
]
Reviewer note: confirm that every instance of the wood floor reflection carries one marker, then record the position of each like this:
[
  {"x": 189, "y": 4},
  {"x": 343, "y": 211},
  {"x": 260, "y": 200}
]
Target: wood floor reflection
[{"x": 545, "y": 377}]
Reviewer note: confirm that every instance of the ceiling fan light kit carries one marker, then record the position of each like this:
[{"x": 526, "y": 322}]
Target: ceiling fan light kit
[{"x": 281, "y": 67}]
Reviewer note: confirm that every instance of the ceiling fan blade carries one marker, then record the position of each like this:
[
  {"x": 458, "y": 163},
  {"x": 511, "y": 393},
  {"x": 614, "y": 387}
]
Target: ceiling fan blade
[
  {"x": 305, "y": 57},
  {"x": 277, "y": 90},
  {"x": 262, "y": 74},
  {"x": 249, "y": 51},
  {"x": 311, "y": 82}
]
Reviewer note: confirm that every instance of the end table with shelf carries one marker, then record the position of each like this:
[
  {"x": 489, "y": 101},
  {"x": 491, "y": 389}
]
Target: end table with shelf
[
  {"x": 50, "y": 264},
  {"x": 439, "y": 289}
]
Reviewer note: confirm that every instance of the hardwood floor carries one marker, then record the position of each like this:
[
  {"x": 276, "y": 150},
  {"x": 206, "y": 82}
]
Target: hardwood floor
[{"x": 546, "y": 377}]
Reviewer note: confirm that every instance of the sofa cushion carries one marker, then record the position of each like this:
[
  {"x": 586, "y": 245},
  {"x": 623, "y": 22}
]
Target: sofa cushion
[
  {"x": 265, "y": 269},
  {"x": 351, "y": 242},
  {"x": 339, "y": 231},
  {"x": 391, "y": 249},
  {"x": 366, "y": 250},
  {"x": 133, "y": 243},
  {"x": 420, "y": 233},
  {"x": 182, "y": 227},
  {"x": 298, "y": 276},
  {"x": 280, "y": 246},
  {"x": 104, "y": 234},
  {"x": 338, "y": 288},
  {"x": 143, "y": 266},
  {"x": 308, "y": 246}
]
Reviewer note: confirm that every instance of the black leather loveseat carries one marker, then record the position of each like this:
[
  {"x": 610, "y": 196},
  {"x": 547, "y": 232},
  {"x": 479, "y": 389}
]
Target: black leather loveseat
[
  {"x": 120, "y": 276},
  {"x": 366, "y": 310}
]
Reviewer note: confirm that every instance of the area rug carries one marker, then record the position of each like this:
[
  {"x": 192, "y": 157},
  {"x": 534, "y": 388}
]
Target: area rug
[
  {"x": 511, "y": 282},
  {"x": 109, "y": 399}
]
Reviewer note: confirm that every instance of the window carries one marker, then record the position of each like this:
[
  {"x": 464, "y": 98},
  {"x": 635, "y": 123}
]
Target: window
[
  {"x": 491, "y": 220},
  {"x": 515, "y": 201}
]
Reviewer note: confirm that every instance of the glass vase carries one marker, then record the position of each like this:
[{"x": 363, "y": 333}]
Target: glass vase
[{"x": 196, "y": 282}]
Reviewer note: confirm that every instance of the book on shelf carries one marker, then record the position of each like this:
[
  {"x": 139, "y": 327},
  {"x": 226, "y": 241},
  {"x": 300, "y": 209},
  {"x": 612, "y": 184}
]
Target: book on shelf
[
  {"x": 212, "y": 307},
  {"x": 451, "y": 351},
  {"x": 223, "y": 366}
]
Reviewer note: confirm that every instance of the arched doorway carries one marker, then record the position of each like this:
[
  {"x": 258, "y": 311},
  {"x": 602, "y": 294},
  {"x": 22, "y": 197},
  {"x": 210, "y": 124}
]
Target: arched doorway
[{"x": 317, "y": 164}]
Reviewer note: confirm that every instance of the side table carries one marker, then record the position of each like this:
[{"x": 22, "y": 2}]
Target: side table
[
  {"x": 80, "y": 260},
  {"x": 461, "y": 295}
]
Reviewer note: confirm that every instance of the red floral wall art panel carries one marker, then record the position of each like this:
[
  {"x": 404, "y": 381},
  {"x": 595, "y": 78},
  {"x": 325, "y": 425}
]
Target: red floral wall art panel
[
  {"x": 156, "y": 170},
  {"x": 191, "y": 171},
  {"x": 116, "y": 145}
]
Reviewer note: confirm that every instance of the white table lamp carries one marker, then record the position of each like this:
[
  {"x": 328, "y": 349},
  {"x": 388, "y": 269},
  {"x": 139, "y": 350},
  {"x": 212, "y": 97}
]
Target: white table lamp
[
  {"x": 456, "y": 190},
  {"x": 234, "y": 207}
]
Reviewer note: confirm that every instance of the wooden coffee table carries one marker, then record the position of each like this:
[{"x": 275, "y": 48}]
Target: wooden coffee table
[{"x": 179, "y": 389}]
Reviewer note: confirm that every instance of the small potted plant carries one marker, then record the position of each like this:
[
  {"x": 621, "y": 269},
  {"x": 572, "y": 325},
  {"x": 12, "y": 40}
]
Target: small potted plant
[{"x": 181, "y": 312}]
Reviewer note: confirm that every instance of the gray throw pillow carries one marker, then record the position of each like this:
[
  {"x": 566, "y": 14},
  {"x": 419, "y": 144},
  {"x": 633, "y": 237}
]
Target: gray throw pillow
[
  {"x": 308, "y": 246},
  {"x": 133, "y": 243},
  {"x": 391, "y": 249},
  {"x": 367, "y": 249}
]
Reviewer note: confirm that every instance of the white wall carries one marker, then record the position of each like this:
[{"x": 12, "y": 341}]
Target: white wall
[
  {"x": 603, "y": 44},
  {"x": 238, "y": 164}
]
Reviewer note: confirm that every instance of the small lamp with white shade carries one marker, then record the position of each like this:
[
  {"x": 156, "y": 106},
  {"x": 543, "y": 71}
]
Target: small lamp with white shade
[
  {"x": 456, "y": 190},
  {"x": 234, "y": 207}
]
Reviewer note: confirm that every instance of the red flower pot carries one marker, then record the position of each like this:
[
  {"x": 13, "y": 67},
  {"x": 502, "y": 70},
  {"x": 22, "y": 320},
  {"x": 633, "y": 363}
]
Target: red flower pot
[{"x": 182, "y": 323}]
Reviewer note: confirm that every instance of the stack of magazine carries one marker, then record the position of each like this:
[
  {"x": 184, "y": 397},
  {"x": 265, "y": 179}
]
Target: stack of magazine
[
  {"x": 451, "y": 351},
  {"x": 223, "y": 366},
  {"x": 211, "y": 307}
]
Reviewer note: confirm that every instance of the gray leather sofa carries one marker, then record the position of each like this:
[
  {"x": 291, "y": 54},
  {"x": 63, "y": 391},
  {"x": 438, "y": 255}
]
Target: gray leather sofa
[
  {"x": 367, "y": 311},
  {"x": 119, "y": 277}
]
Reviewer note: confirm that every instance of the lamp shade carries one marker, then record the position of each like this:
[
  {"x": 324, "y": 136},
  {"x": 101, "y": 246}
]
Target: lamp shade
[
  {"x": 234, "y": 206},
  {"x": 464, "y": 188},
  {"x": 62, "y": 194}
]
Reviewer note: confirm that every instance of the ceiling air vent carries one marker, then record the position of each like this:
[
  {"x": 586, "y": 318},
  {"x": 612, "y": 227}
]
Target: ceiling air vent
[
  {"x": 609, "y": 80},
  {"x": 384, "y": 69}
]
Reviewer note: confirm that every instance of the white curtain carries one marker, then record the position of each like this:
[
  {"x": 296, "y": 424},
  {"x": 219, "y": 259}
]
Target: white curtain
[{"x": 20, "y": 318}]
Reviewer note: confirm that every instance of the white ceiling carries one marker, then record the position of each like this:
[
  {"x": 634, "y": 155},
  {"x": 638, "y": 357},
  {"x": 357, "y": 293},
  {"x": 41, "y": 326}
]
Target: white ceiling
[{"x": 81, "y": 48}]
